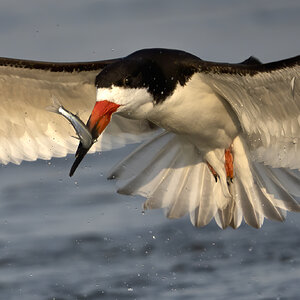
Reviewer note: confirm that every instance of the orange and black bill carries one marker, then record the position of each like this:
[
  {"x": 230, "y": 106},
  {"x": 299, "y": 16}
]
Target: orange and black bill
[{"x": 99, "y": 119}]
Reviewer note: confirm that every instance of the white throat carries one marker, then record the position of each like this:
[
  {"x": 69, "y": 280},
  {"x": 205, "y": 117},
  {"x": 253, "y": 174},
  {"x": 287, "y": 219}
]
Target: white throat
[{"x": 135, "y": 103}]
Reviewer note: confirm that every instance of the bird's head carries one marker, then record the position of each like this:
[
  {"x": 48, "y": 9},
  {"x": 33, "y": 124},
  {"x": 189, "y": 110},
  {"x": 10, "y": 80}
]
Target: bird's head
[{"x": 134, "y": 84}]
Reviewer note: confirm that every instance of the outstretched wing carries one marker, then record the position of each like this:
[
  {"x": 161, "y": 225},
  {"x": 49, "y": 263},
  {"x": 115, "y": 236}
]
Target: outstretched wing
[
  {"x": 266, "y": 99},
  {"x": 28, "y": 131}
]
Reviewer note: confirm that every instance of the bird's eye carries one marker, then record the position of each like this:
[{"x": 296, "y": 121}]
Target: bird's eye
[{"x": 126, "y": 81}]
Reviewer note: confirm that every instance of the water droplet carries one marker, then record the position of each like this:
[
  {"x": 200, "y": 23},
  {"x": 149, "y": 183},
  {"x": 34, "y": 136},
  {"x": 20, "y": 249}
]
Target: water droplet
[{"x": 154, "y": 237}]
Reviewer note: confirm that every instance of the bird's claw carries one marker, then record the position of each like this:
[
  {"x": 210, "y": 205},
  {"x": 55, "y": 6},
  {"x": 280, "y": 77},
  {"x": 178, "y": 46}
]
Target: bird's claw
[{"x": 228, "y": 167}]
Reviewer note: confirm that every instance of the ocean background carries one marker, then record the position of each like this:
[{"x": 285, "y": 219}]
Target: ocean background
[
  {"x": 64, "y": 239},
  {"x": 74, "y": 238}
]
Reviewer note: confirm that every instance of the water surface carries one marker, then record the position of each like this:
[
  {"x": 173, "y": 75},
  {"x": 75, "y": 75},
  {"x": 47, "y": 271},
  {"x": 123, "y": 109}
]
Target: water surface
[{"x": 63, "y": 238}]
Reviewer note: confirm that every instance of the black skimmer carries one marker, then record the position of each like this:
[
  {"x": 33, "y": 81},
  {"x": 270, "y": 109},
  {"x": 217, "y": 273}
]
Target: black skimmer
[{"x": 220, "y": 140}]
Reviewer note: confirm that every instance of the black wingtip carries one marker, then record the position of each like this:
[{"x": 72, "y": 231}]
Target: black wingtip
[{"x": 80, "y": 154}]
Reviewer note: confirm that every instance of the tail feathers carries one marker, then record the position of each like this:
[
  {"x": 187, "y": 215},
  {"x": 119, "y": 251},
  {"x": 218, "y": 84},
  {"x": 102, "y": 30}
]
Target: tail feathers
[
  {"x": 250, "y": 203},
  {"x": 202, "y": 206},
  {"x": 224, "y": 217},
  {"x": 139, "y": 159},
  {"x": 151, "y": 171},
  {"x": 172, "y": 175},
  {"x": 232, "y": 214},
  {"x": 237, "y": 216},
  {"x": 194, "y": 185},
  {"x": 237, "y": 213},
  {"x": 256, "y": 201}
]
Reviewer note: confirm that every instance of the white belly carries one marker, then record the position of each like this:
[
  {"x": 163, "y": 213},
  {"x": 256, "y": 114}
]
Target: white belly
[{"x": 197, "y": 113}]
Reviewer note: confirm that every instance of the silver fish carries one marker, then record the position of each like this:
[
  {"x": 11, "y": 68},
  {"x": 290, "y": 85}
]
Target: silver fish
[{"x": 81, "y": 129}]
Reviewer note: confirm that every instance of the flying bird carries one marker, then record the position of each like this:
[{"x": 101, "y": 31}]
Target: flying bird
[{"x": 217, "y": 140}]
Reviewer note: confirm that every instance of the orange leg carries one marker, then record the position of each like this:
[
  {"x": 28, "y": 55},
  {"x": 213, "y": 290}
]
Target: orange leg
[
  {"x": 228, "y": 165},
  {"x": 213, "y": 171}
]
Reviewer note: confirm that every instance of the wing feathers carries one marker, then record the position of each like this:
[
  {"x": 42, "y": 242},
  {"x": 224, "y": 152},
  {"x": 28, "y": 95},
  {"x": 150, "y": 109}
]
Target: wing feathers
[
  {"x": 271, "y": 97},
  {"x": 69, "y": 67},
  {"x": 28, "y": 131}
]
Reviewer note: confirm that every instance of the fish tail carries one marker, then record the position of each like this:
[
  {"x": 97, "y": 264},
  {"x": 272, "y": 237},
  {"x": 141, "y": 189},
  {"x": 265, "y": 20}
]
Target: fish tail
[{"x": 56, "y": 105}]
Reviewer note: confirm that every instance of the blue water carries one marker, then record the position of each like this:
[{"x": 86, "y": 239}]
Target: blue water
[{"x": 63, "y": 238}]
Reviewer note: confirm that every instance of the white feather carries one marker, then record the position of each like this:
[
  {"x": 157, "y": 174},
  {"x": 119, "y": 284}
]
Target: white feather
[
  {"x": 171, "y": 174},
  {"x": 267, "y": 105},
  {"x": 28, "y": 131}
]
